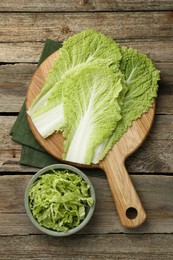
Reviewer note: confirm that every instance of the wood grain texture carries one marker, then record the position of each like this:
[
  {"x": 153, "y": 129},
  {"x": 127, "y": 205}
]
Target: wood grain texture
[
  {"x": 154, "y": 156},
  {"x": 15, "y": 79},
  {"x": 155, "y": 191},
  {"x": 141, "y": 247},
  {"x": 83, "y": 5},
  {"x": 29, "y": 52},
  {"x": 59, "y": 26}
]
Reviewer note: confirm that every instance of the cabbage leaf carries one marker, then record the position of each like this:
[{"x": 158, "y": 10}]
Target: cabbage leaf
[
  {"x": 83, "y": 48},
  {"x": 141, "y": 79},
  {"x": 91, "y": 109}
]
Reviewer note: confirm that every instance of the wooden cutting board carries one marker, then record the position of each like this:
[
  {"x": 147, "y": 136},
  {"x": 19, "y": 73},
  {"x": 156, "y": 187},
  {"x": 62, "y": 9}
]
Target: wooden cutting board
[{"x": 129, "y": 207}]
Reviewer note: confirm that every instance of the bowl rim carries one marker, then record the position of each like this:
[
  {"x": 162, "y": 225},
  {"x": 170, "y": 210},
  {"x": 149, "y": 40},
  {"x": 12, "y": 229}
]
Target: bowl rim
[{"x": 49, "y": 231}]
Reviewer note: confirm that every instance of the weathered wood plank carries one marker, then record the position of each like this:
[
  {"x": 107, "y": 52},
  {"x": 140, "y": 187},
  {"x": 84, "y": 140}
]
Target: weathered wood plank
[
  {"x": 155, "y": 155},
  {"x": 12, "y": 166},
  {"x": 152, "y": 157},
  {"x": 13, "y": 102},
  {"x": 155, "y": 192},
  {"x": 163, "y": 105},
  {"x": 84, "y": 5},
  {"x": 141, "y": 247},
  {"x": 31, "y": 51},
  {"x": 21, "y": 52},
  {"x": 19, "y": 27},
  {"x": 14, "y": 80}
]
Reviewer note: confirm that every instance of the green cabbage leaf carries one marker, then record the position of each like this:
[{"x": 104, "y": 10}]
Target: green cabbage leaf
[
  {"x": 77, "y": 51},
  {"x": 91, "y": 109},
  {"x": 141, "y": 79}
]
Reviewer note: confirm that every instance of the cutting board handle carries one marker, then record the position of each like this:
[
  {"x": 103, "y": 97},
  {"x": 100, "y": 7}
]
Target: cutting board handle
[{"x": 130, "y": 210}]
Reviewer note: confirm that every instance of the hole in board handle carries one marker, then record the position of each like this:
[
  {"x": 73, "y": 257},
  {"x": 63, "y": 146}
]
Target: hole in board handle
[{"x": 131, "y": 213}]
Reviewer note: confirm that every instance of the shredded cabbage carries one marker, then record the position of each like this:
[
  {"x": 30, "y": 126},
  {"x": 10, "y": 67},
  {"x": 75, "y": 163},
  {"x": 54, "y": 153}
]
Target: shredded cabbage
[{"x": 59, "y": 200}]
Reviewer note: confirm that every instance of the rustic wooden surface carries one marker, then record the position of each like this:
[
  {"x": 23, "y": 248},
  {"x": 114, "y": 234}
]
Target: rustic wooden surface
[{"x": 145, "y": 25}]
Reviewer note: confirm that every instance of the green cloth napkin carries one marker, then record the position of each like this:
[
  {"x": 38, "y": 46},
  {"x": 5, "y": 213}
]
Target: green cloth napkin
[{"x": 32, "y": 153}]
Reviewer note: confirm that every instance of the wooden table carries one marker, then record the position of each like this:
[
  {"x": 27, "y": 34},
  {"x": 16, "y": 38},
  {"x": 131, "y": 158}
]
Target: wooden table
[{"x": 144, "y": 25}]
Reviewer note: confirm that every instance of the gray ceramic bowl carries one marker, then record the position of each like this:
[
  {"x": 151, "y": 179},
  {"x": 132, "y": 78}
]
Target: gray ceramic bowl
[{"x": 34, "y": 221}]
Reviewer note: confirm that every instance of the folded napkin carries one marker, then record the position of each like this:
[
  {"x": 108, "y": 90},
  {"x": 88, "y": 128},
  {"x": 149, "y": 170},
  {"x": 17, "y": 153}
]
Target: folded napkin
[{"x": 32, "y": 153}]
